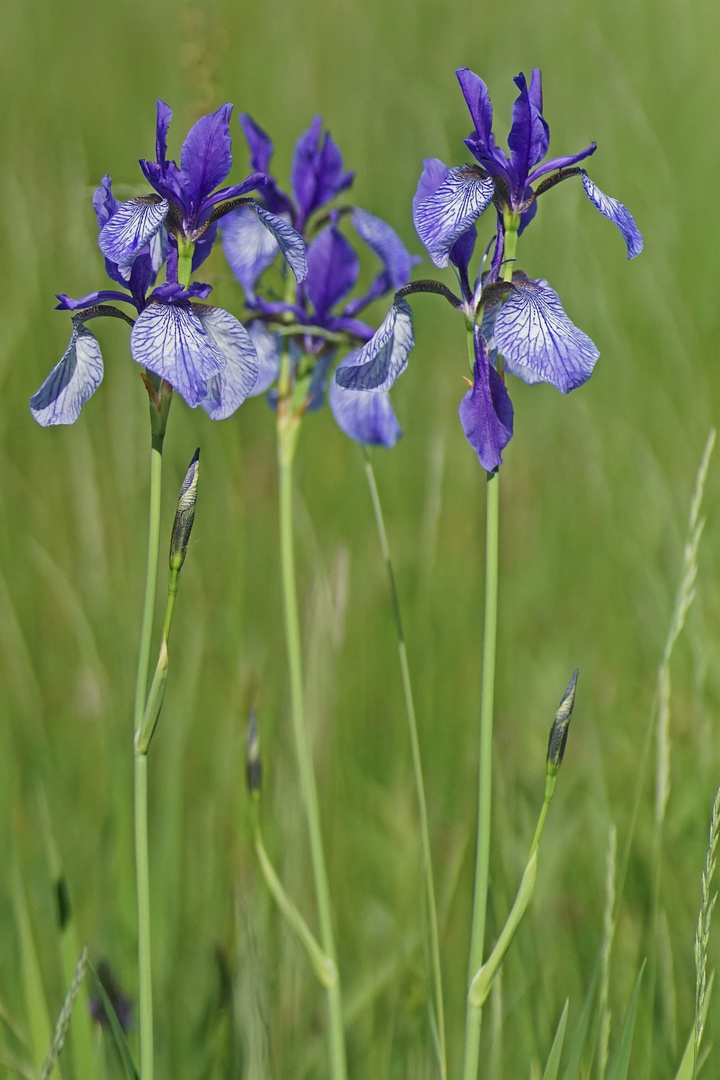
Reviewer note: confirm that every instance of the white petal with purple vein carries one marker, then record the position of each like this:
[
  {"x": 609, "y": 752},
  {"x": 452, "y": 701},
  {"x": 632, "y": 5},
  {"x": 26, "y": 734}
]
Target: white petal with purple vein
[
  {"x": 384, "y": 356},
  {"x": 248, "y": 245},
  {"x": 441, "y": 218},
  {"x": 267, "y": 346},
  {"x": 537, "y": 340},
  {"x": 367, "y": 418},
  {"x": 290, "y": 242},
  {"x": 71, "y": 382},
  {"x": 614, "y": 211},
  {"x": 132, "y": 225},
  {"x": 227, "y": 390},
  {"x": 170, "y": 340}
]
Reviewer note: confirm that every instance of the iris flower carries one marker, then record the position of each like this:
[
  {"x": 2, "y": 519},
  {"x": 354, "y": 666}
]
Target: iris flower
[
  {"x": 521, "y": 320},
  {"x": 201, "y": 351},
  {"x": 321, "y": 316}
]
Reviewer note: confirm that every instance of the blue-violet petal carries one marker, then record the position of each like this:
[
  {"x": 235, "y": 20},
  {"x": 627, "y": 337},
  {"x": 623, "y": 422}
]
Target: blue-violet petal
[
  {"x": 170, "y": 340},
  {"x": 71, "y": 382},
  {"x": 367, "y": 418},
  {"x": 384, "y": 356},
  {"x": 442, "y": 218},
  {"x": 227, "y": 390},
  {"x": 614, "y": 211}
]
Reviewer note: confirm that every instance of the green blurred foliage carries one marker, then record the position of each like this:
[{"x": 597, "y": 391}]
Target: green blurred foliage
[{"x": 595, "y": 493}]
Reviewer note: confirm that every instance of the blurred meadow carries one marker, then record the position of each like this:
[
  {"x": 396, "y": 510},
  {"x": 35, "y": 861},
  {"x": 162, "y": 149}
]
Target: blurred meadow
[{"x": 595, "y": 493}]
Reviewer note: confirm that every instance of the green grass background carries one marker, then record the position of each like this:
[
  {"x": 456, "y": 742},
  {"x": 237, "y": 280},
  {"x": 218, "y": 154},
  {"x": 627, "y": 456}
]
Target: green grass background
[{"x": 595, "y": 494}]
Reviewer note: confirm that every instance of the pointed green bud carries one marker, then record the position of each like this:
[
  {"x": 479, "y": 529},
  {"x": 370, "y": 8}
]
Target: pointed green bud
[
  {"x": 185, "y": 515},
  {"x": 559, "y": 730},
  {"x": 253, "y": 763}
]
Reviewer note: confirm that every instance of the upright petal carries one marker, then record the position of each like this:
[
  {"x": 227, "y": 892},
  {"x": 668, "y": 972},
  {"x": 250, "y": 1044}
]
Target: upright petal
[
  {"x": 385, "y": 356},
  {"x": 486, "y": 412},
  {"x": 476, "y": 95},
  {"x": 170, "y": 340},
  {"x": 538, "y": 341},
  {"x": 331, "y": 179},
  {"x": 529, "y": 135},
  {"x": 130, "y": 228},
  {"x": 71, "y": 382},
  {"x": 162, "y": 123},
  {"x": 104, "y": 202},
  {"x": 227, "y": 390},
  {"x": 316, "y": 174},
  {"x": 614, "y": 211},
  {"x": 259, "y": 144},
  {"x": 367, "y": 418},
  {"x": 333, "y": 269},
  {"x": 249, "y": 247},
  {"x": 205, "y": 157},
  {"x": 442, "y": 217},
  {"x": 267, "y": 346}
]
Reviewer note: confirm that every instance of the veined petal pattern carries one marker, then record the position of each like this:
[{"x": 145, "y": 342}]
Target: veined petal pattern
[
  {"x": 614, "y": 211},
  {"x": 384, "y": 356},
  {"x": 170, "y": 340},
  {"x": 130, "y": 228},
  {"x": 227, "y": 390},
  {"x": 71, "y": 382},
  {"x": 441, "y": 218}
]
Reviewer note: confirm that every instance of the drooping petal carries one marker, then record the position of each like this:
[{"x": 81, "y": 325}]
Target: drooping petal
[
  {"x": 477, "y": 97},
  {"x": 249, "y": 247},
  {"x": 486, "y": 412},
  {"x": 205, "y": 157},
  {"x": 387, "y": 245},
  {"x": 442, "y": 217},
  {"x": 367, "y": 418},
  {"x": 538, "y": 341},
  {"x": 259, "y": 143},
  {"x": 162, "y": 123},
  {"x": 130, "y": 228},
  {"x": 614, "y": 211},
  {"x": 333, "y": 269},
  {"x": 289, "y": 241},
  {"x": 71, "y": 382},
  {"x": 227, "y": 390},
  {"x": 385, "y": 355},
  {"x": 529, "y": 135},
  {"x": 170, "y": 340},
  {"x": 267, "y": 346}
]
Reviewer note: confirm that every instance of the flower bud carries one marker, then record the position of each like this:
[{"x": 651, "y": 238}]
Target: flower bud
[
  {"x": 185, "y": 515},
  {"x": 559, "y": 730},
  {"x": 253, "y": 762}
]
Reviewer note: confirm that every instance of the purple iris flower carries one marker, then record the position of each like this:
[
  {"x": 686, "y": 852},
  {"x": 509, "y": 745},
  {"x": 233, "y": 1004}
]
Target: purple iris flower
[
  {"x": 520, "y": 320},
  {"x": 322, "y": 315},
  {"x": 188, "y": 200},
  {"x": 201, "y": 351}
]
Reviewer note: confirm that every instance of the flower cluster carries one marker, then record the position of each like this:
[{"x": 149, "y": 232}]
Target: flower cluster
[
  {"x": 319, "y": 317},
  {"x": 201, "y": 351},
  {"x": 508, "y": 314}
]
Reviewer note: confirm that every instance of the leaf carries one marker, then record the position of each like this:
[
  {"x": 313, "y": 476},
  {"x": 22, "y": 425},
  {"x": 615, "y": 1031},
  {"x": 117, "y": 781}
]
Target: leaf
[
  {"x": 121, "y": 1043},
  {"x": 577, "y": 1044},
  {"x": 622, "y": 1062},
  {"x": 553, "y": 1062}
]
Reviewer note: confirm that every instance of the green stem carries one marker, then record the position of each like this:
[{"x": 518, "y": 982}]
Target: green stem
[
  {"x": 142, "y": 867},
  {"x": 288, "y": 430},
  {"x": 418, "y": 770},
  {"x": 473, "y": 1016}
]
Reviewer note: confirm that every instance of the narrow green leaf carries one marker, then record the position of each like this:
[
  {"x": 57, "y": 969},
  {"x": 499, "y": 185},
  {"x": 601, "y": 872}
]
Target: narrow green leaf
[
  {"x": 622, "y": 1062},
  {"x": 39, "y": 1024},
  {"x": 121, "y": 1043},
  {"x": 579, "y": 1038},
  {"x": 553, "y": 1062},
  {"x": 62, "y": 1023}
]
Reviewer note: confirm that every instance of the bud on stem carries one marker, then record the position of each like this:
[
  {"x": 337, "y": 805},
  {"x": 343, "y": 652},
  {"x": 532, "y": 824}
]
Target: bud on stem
[{"x": 185, "y": 515}]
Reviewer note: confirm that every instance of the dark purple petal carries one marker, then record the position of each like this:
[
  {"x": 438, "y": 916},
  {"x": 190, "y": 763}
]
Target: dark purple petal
[
  {"x": 442, "y": 217},
  {"x": 130, "y": 228},
  {"x": 203, "y": 247},
  {"x": 227, "y": 390},
  {"x": 171, "y": 291},
  {"x": 486, "y": 412},
  {"x": 331, "y": 179},
  {"x": 259, "y": 143},
  {"x": 317, "y": 173},
  {"x": 162, "y": 123},
  {"x": 169, "y": 340},
  {"x": 205, "y": 157},
  {"x": 333, "y": 269},
  {"x": 614, "y": 211},
  {"x": 71, "y": 382},
  {"x": 537, "y": 340},
  {"x": 385, "y": 356},
  {"x": 476, "y": 95},
  {"x": 561, "y": 163},
  {"x": 315, "y": 398},
  {"x": 93, "y": 298},
  {"x": 367, "y": 418},
  {"x": 462, "y": 250},
  {"x": 168, "y": 183},
  {"x": 387, "y": 245},
  {"x": 104, "y": 202},
  {"x": 529, "y": 135},
  {"x": 249, "y": 247},
  {"x": 267, "y": 345},
  {"x": 345, "y": 324},
  {"x": 253, "y": 182}
]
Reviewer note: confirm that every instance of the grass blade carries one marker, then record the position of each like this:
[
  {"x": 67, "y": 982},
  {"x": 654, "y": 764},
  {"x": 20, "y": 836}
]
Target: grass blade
[
  {"x": 121, "y": 1043},
  {"x": 553, "y": 1062},
  {"x": 622, "y": 1062}
]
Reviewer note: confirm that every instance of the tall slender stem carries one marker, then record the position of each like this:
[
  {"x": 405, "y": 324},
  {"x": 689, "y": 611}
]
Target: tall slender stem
[
  {"x": 473, "y": 1015},
  {"x": 288, "y": 429},
  {"x": 142, "y": 865},
  {"x": 418, "y": 770}
]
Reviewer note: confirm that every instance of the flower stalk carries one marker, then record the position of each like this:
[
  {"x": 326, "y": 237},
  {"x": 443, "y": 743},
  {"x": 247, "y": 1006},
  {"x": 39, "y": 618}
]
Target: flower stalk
[{"x": 288, "y": 428}]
